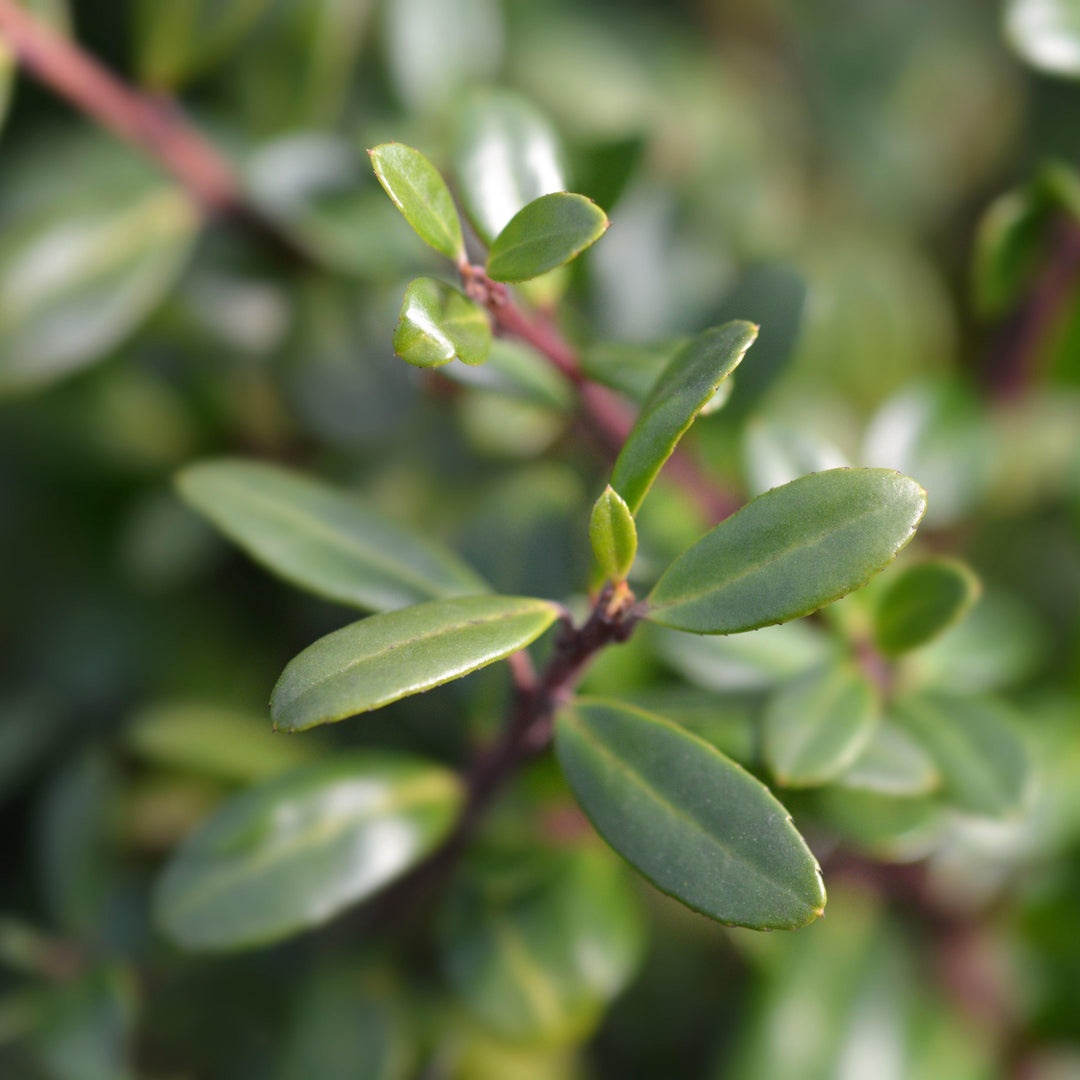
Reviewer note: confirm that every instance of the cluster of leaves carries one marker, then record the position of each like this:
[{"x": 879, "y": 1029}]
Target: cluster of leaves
[{"x": 395, "y": 899}]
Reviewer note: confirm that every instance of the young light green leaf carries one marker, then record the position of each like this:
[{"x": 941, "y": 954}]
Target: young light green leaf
[
  {"x": 78, "y": 279},
  {"x": 684, "y": 388},
  {"x": 985, "y": 764},
  {"x": 296, "y": 850},
  {"x": 439, "y": 323},
  {"x": 789, "y": 552},
  {"x": 816, "y": 726},
  {"x": 546, "y": 233},
  {"x": 378, "y": 660},
  {"x": 322, "y": 539},
  {"x": 1046, "y": 33},
  {"x": 921, "y": 602},
  {"x": 693, "y": 822},
  {"x": 180, "y": 39},
  {"x": 421, "y": 194},
  {"x": 506, "y": 155},
  {"x": 613, "y": 535},
  {"x": 893, "y": 763},
  {"x": 535, "y": 946}
]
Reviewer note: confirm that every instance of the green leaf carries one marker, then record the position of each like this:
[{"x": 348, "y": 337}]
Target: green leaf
[
  {"x": 535, "y": 946},
  {"x": 386, "y": 657},
  {"x": 613, "y": 535},
  {"x": 892, "y": 763},
  {"x": 817, "y": 726},
  {"x": 921, "y": 602},
  {"x": 631, "y": 369},
  {"x": 439, "y": 323},
  {"x": 1009, "y": 239},
  {"x": 296, "y": 850},
  {"x": 79, "y": 277},
  {"x": 985, "y": 764},
  {"x": 693, "y": 822},
  {"x": 211, "y": 740},
  {"x": 1046, "y": 33},
  {"x": 322, "y": 539},
  {"x": 685, "y": 387},
  {"x": 506, "y": 155},
  {"x": 420, "y": 193},
  {"x": 789, "y": 551},
  {"x": 177, "y": 40},
  {"x": 546, "y": 233}
]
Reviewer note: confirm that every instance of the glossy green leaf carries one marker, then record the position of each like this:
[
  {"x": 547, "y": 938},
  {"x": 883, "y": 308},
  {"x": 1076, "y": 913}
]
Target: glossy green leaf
[
  {"x": 534, "y": 947},
  {"x": 696, "y": 824},
  {"x": 380, "y": 659},
  {"x": 1046, "y": 33},
  {"x": 546, "y": 233},
  {"x": 298, "y": 849},
  {"x": 176, "y": 40},
  {"x": 322, "y": 539},
  {"x": 984, "y": 763},
  {"x": 685, "y": 387},
  {"x": 613, "y": 535},
  {"x": 921, "y": 602},
  {"x": 439, "y": 323},
  {"x": 894, "y": 763},
  {"x": 420, "y": 193},
  {"x": 78, "y": 278},
  {"x": 211, "y": 740},
  {"x": 506, "y": 155},
  {"x": 789, "y": 552},
  {"x": 817, "y": 725}
]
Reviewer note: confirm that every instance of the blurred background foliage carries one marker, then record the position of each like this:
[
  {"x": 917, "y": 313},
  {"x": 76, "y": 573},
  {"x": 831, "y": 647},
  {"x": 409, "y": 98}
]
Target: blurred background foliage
[{"x": 879, "y": 184}]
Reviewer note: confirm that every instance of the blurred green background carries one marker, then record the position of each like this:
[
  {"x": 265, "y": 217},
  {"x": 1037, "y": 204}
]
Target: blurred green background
[{"x": 824, "y": 167}]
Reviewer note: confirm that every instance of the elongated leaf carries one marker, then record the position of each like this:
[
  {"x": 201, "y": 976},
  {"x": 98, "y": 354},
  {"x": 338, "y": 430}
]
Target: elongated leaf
[
  {"x": 321, "y": 539},
  {"x": 613, "y": 535},
  {"x": 692, "y": 821},
  {"x": 922, "y": 601},
  {"x": 421, "y": 194},
  {"x": 1046, "y": 33},
  {"x": 984, "y": 763},
  {"x": 893, "y": 762},
  {"x": 296, "y": 850},
  {"x": 682, "y": 391},
  {"x": 439, "y": 323},
  {"x": 536, "y": 946},
  {"x": 790, "y": 551},
  {"x": 506, "y": 155},
  {"x": 818, "y": 725},
  {"x": 546, "y": 233},
  {"x": 176, "y": 40},
  {"x": 78, "y": 279},
  {"x": 386, "y": 657}
]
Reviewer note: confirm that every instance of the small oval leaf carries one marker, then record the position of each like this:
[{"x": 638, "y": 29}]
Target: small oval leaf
[
  {"x": 789, "y": 552},
  {"x": 323, "y": 539},
  {"x": 693, "y": 822},
  {"x": 380, "y": 659},
  {"x": 921, "y": 602},
  {"x": 817, "y": 725},
  {"x": 546, "y": 233},
  {"x": 439, "y": 323},
  {"x": 984, "y": 763},
  {"x": 420, "y": 193},
  {"x": 613, "y": 535},
  {"x": 506, "y": 155},
  {"x": 296, "y": 850},
  {"x": 684, "y": 388}
]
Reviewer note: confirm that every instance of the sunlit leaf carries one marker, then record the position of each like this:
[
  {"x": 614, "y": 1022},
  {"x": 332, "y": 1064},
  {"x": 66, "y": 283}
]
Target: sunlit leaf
[
  {"x": 380, "y": 659},
  {"x": 322, "y": 539},
  {"x": 613, "y": 535},
  {"x": 298, "y": 849},
  {"x": 790, "y": 551},
  {"x": 438, "y": 323},
  {"x": 692, "y": 821}
]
